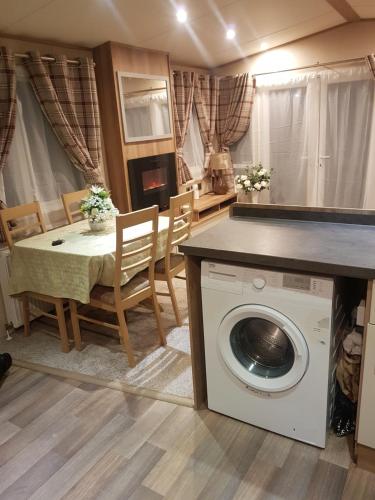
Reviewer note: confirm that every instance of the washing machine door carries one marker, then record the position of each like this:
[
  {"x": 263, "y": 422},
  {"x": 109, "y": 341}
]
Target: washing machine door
[{"x": 263, "y": 348}]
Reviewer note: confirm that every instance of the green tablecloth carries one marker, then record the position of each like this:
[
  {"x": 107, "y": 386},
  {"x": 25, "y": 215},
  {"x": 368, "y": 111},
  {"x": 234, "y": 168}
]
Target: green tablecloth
[{"x": 72, "y": 269}]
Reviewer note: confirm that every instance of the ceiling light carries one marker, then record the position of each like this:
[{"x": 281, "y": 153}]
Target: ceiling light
[
  {"x": 181, "y": 15},
  {"x": 231, "y": 34},
  {"x": 264, "y": 46}
]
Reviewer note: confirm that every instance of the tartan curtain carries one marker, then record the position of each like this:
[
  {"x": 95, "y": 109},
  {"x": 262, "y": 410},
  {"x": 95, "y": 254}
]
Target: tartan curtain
[
  {"x": 7, "y": 102},
  {"x": 68, "y": 97},
  {"x": 236, "y": 95},
  {"x": 371, "y": 62},
  {"x": 7, "y": 109},
  {"x": 206, "y": 95},
  {"x": 183, "y": 91}
]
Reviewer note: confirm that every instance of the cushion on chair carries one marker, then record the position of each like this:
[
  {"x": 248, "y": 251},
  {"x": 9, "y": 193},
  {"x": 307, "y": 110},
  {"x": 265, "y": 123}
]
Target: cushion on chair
[
  {"x": 106, "y": 293},
  {"x": 176, "y": 259}
]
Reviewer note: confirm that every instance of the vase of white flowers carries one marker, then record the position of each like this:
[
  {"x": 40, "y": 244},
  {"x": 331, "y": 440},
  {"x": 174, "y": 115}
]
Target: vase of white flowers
[
  {"x": 98, "y": 208},
  {"x": 256, "y": 180}
]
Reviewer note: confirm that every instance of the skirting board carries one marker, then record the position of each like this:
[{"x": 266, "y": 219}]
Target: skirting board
[
  {"x": 365, "y": 457},
  {"x": 116, "y": 385}
]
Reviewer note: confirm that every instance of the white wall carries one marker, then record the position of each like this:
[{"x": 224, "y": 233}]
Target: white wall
[{"x": 347, "y": 41}]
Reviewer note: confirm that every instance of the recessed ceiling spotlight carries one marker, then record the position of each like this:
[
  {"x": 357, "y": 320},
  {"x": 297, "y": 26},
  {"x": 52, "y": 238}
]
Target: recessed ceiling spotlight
[
  {"x": 231, "y": 34},
  {"x": 181, "y": 15},
  {"x": 264, "y": 46}
]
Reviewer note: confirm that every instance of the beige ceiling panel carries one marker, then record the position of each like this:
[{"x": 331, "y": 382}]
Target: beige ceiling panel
[
  {"x": 255, "y": 19},
  {"x": 283, "y": 36},
  {"x": 364, "y": 8},
  {"x": 13, "y": 10},
  {"x": 204, "y": 43},
  {"x": 91, "y": 22},
  {"x": 152, "y": 24}
]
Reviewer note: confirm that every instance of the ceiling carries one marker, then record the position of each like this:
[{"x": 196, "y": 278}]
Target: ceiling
[{"x": 199, "y": 42}]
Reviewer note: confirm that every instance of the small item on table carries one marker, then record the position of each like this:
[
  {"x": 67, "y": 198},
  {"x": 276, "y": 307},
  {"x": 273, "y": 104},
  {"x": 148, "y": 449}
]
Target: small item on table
[
  {"x": 196, "y": 191},
  {"x": 57, "y": 242}
]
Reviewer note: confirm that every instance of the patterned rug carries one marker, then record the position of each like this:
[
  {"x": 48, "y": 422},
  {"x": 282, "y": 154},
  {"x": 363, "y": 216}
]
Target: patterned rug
[{"x": 161, "y": 372}]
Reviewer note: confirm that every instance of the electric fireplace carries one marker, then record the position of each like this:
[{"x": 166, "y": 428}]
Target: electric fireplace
[{"x": 152, "y": 181}]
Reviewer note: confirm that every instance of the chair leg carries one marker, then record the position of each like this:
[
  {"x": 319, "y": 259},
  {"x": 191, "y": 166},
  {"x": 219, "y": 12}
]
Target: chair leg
[
  {"x": 174, "y": 301},
  {"x": 62, "y": 326},
  {"x": 26, "y": 315},
  {"x": 75, "y": 325},
  {"x": 124, "y": 334},
  {"x": 158, "y": 319}
]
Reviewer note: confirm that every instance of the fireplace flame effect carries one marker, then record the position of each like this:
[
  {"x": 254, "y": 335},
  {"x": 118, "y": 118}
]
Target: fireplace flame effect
[{"x": 153, "y": 185}]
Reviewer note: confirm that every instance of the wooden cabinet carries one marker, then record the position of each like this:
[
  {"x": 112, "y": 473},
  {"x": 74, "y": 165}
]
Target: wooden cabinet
[{"x": 365, "y": 436}]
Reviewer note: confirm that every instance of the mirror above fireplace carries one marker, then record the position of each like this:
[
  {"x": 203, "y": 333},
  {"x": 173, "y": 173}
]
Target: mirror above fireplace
[{"x": 145, "y": 106}]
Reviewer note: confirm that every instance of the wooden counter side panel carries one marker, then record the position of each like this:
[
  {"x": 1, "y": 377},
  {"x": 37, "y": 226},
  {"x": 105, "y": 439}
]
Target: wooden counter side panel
[
  {"x": 366, "y": 421},
  {"x": 198, "y": 362}
]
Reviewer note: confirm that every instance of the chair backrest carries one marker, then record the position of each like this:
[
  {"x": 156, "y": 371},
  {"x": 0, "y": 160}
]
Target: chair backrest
[
  {"x": 180, "y": 219},
  {"x": 34, "y": 221},
  {"x": 136, "y": 247},
  {"x": 70, "y": 199}
]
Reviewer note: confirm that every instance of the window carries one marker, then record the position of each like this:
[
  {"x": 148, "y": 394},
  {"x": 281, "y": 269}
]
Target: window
[
  {"x": 38, "y": 167},
  {"x": 193, "y": 149},
  {"x": 316, "y": 131}
]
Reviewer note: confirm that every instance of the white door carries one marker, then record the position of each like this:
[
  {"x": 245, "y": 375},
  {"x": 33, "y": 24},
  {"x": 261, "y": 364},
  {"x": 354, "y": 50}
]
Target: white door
[{"x": 263, "y": 348}]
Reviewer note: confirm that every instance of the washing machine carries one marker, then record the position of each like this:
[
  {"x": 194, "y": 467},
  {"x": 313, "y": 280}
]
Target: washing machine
[{"x": 271, "y": 342}]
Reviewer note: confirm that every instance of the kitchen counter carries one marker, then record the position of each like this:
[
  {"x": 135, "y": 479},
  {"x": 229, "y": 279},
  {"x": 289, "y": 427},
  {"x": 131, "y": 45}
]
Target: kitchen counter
[
  {"x": 326, "y": 245},
  {"x": 328, "y": 242}
]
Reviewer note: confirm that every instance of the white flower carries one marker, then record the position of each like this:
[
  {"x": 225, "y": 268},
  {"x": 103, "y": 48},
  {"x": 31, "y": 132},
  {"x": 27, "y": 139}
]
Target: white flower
[
  {"x": 262, "y": 171},
  {"x": 264, "y": 184},
  {"x": 257, "y": 186},
  {"x": 247, "y": 183},
  {"x": 243, "y": 177},
  {"x": 94, "y": 211},
  {"x": 96, "y": 189}
]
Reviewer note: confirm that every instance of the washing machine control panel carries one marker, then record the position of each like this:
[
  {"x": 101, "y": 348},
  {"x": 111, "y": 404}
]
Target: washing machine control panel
[{"x": 243, "y": 280}]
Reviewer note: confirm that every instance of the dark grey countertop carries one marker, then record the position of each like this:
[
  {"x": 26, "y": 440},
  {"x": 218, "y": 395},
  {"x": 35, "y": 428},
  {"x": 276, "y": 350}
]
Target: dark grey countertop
[{"x": 328, "y": 248}]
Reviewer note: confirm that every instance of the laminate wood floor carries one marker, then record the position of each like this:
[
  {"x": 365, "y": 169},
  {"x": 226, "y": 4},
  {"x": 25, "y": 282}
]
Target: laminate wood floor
[{"x": 70, "y": 440}]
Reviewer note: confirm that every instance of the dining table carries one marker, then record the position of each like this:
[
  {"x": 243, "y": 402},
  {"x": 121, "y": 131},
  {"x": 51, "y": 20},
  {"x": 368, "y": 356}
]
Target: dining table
[{"x": 83, "y": 259}]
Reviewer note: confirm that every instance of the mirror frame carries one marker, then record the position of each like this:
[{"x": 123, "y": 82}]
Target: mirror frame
[{"x": 124, "y": 74}]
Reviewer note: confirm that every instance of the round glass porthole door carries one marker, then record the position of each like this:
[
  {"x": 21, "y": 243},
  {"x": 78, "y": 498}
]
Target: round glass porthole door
[{"x": 263, "y": 348}]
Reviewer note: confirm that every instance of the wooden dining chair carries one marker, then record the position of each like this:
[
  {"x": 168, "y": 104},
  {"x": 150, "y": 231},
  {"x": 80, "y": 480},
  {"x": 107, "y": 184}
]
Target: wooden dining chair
[
  {"x": 71, "y": 201},
  {"x": 11, "y": 228},
  {"x": 118, "y": 299},
  {"x": 180, "y": 219}
]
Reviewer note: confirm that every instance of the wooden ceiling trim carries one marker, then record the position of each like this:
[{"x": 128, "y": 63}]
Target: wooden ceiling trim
[{"x": 345, "y": 10}]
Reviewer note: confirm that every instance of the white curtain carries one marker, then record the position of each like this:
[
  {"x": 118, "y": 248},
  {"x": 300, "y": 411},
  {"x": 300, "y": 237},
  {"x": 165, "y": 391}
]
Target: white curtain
[
  {"x": 37, "y": 167},
  {"x": 147, "y": 115},
  {"x": 193, "y": 149},
  {"x": 315, "y": 130}
]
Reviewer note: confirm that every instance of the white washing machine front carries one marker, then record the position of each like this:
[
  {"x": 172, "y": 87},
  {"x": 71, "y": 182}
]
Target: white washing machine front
[
  {"x": 262, "y": 348},
  {"x": 267, "y": 340}
]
